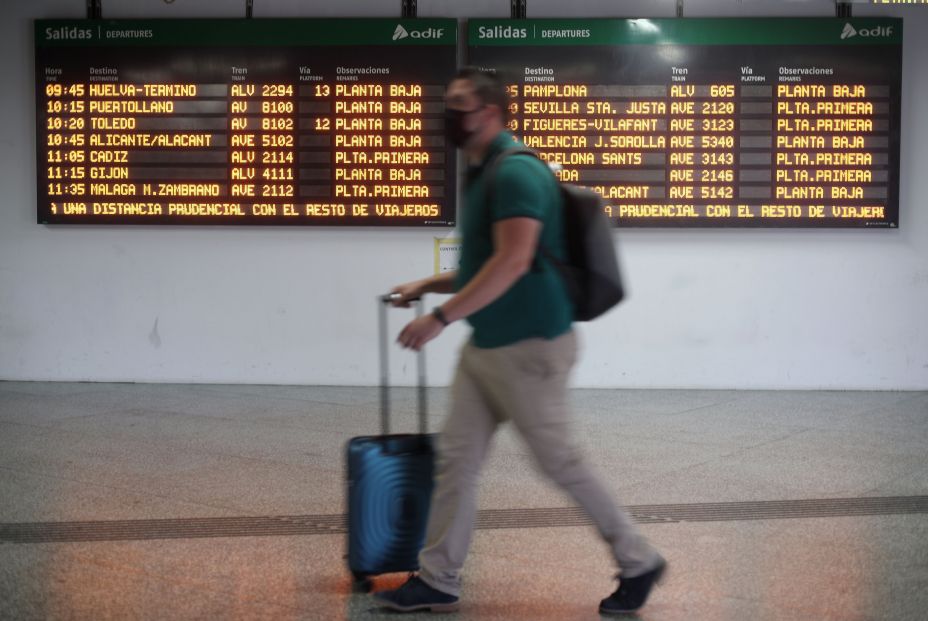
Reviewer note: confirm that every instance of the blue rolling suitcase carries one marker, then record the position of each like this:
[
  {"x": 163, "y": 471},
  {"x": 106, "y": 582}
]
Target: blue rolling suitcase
[{"x": 389, "y": 484}]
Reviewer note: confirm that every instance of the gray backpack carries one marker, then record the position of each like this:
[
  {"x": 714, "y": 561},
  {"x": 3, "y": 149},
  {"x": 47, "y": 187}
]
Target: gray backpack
[{"x": 591, "y": 268}]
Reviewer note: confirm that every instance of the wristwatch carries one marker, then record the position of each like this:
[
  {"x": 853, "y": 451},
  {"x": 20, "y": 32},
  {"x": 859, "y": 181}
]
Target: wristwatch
[{"x": 440, "y": 316}]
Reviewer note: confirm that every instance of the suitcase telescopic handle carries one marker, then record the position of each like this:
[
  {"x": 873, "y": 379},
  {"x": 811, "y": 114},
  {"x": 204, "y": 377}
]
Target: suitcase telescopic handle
[{"x": 383, "y": 303}]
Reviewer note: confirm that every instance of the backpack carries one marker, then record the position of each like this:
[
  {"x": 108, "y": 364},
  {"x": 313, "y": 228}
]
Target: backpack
[{"x": 591, "y": 269}]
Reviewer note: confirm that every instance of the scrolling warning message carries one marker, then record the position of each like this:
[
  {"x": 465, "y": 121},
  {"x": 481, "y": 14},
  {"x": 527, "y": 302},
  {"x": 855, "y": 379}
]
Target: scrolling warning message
[
  {"x": 284, "y": 122},
  {"x": 711, "y": 122}
]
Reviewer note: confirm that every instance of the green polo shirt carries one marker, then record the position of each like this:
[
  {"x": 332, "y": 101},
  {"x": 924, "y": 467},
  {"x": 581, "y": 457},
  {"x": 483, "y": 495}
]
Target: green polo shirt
[{"x": 537, "y": 305}]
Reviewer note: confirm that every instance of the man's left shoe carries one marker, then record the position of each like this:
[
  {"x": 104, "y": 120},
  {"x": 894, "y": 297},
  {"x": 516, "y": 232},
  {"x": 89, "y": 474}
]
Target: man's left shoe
[
  {"x": 632, "y": 592},
  {"x": 416, "y": 595}
]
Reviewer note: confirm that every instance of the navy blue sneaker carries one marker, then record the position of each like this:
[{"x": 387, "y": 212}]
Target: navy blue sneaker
[
  {"x": 416, "y": 595},
  {"x": 632, "y": 592}
]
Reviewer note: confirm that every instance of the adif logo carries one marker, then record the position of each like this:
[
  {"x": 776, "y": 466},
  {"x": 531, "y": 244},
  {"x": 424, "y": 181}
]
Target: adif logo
[
  {"x": 428, "y": 33},
  {"x": 879, "y": 31}
]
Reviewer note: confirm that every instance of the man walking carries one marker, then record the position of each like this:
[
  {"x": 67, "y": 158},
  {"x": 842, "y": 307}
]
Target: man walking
[{"x": 516, "y": 365}]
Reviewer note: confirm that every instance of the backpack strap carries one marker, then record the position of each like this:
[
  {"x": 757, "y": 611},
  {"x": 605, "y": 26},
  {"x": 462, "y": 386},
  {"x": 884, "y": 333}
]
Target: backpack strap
[
  {"x": 490, "y": 175},
  {"x": 494, "y": 164},
  {"x": 492, "y": 169}
]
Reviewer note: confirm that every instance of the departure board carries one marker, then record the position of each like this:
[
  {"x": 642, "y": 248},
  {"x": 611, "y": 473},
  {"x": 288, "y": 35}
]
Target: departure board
[
  {"x": 282, "y": 122},
  {"x": 711, "y": 122}
]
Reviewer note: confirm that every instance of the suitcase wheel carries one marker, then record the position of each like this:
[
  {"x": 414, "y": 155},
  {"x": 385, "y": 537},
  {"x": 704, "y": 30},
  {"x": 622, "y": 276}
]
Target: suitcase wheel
[{"x": 361, "y": 583}]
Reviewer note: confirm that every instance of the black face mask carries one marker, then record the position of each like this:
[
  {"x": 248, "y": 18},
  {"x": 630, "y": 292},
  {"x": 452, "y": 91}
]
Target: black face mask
[{"x": 454, "y": 126}]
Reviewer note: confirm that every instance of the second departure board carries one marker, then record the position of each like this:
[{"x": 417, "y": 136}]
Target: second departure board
[
  {"x": 711, "y": 122},
  {"x": 284, "y": 122}
]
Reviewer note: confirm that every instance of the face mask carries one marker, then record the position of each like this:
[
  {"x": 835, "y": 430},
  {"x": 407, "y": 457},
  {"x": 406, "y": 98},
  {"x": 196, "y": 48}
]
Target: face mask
[{"x": 455, "y": 131}]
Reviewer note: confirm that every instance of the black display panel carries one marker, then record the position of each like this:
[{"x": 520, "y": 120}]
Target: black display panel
[
  {"x": 711, "y": 122},
  {"x": 282, "y": 122}
]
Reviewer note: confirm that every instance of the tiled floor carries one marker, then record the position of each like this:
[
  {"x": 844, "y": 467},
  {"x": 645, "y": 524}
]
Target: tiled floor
[{"x": 102, "y": 452}]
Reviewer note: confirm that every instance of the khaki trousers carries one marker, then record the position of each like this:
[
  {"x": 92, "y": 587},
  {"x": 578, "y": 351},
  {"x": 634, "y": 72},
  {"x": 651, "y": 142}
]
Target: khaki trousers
[{"x": 525, "y": 383}]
